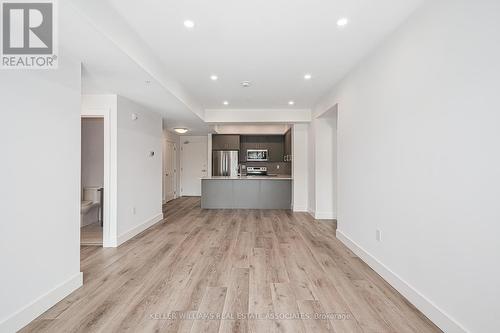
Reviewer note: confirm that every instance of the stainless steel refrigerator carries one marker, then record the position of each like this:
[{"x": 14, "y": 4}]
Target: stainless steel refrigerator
[{"x": 225, "y": 163}]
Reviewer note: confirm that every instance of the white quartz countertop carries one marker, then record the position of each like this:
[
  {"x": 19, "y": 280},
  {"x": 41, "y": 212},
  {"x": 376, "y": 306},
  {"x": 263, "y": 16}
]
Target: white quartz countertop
[{"x": 274, "y": 177}]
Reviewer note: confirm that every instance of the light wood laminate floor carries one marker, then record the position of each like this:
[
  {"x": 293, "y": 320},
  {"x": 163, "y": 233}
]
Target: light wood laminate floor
[
  {"x": 91, "y": 234},
  {"x": 223, "y": 271}
]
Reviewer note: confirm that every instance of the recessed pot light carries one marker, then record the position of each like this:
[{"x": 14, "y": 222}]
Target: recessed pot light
[
  {"x": 225, "y": 103},
  {"x": 181, "y": 130},
  {"x": 342, "y": 22},
  {"x": 291, "y": 103},
  {"x": 307, "y": 77},
  {"x": 245, "y": 84},
  {"x": 189, "y": 24},
  {"x": 214, "y": 77}
]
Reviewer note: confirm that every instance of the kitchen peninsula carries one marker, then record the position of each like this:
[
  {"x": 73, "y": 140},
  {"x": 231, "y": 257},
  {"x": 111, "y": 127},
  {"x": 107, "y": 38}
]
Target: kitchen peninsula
[
  {"x": 246, "y": 192},
  {"x": 249, "y": 172}
]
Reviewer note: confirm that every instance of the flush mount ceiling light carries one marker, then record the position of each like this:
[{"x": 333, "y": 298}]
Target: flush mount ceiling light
[
  {"x": 245, "y": 84},
  {"x": 189, "y": 24},
  {"x": 214, "y": 77},
  {"x": 291, "y": 103},
  {"x": 342, "y": 22},
  {"x": 181, "y": 130},
  {"x": 307, "y": 77},
  {"x": 225, "y": 103}
]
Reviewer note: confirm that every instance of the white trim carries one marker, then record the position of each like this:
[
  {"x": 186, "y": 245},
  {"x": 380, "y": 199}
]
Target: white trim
[
  {"x": 110, "y": 173},
  {"x": 322, "y": 215},
  {"x": 140, "y": 228},
  {"x": 325, "y": 216},
  {"x": 209, "y": 154},
  {"x": 300, "y": 209},
  {"x": 31, "y": 311},
  {"x": 164, "y": 148},
  {"x": 426, "y": 306},
  {"x": 257, "y": 116}
]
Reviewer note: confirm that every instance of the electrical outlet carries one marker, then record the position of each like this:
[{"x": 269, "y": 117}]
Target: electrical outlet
[{"x": 378, "y": 235}]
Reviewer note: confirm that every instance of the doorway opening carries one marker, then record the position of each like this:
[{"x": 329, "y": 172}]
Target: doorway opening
[{"x": 92, "y": 181}]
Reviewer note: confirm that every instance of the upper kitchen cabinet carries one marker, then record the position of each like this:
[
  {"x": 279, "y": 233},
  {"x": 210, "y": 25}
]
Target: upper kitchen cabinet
[
  {"x": 276, "y": 148},
  {"x": 273, "y": 143},
  {"x": 225, "y": 142},
  {"x": 288, "y": 146}
]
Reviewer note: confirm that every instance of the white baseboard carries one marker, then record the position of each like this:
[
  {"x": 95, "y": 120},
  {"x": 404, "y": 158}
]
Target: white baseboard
[
  {"x": 28, "y": 313},
  {"x": 300, "y": 209},
  {"x": 325, "y": 216},
  {"x": 426, "y": 306},
  {"x": 322, "y": 215},
  {"x": 140, "y": 228}
]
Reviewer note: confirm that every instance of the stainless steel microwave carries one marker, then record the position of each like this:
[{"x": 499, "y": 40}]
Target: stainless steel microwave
[{"x": 257, "y": 155}]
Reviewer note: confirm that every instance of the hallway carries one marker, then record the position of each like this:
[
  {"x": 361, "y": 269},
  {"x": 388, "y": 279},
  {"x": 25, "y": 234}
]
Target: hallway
[{"x": 258, "y": 271}]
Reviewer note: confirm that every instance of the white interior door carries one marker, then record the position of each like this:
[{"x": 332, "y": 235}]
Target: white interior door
[
  {"x": 169, "y": 171},
  {"x": 193, "y": 165}
]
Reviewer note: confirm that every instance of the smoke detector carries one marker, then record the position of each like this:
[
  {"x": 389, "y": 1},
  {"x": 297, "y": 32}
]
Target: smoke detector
[{"x": 245, "y": 84}]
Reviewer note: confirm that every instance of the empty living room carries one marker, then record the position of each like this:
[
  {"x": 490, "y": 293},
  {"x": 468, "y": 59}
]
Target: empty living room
[{"x": 250, "y": 166}]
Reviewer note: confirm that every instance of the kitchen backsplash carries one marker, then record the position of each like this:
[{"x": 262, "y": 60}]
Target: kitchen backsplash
[{"x": 272, "y": 167}]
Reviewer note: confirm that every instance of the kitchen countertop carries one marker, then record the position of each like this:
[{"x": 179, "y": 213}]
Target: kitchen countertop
[{"x": 274, "y": 177}]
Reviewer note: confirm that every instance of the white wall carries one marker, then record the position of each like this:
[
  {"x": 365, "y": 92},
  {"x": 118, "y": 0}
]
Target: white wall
[
  {"x": 209, "y": 154},
  {"x": 419, "y": 159},
  {"x": 135, "y": 177},
  {"x": 139, "y": 174},
  {"x": 325, "y": 204},
  {"x": 234, "y": 116},
  {"x": 250, "y": 129},
  {"x": 40, "y": 190},
  {"x": 300, "y": 167},
  {"x": 322, "y": 165},
  {"x": 311, "y": 176},
  {"x": 105, "y": 106},
  {"x": 92, "y": 152}
]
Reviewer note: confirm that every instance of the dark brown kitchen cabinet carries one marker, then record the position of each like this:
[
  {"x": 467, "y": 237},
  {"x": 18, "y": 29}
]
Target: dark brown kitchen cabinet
[
  {"x": 273, "y": 143},
  {"x": 225, "y": 142},
  {"x": 275, "y": 147},
  {"x": 288, "y": 146}
]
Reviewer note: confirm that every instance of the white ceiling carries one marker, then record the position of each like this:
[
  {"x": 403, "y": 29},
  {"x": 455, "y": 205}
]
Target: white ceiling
[
  {"x": 107, "y": 69},
  {"x": 272, "y": 43}
]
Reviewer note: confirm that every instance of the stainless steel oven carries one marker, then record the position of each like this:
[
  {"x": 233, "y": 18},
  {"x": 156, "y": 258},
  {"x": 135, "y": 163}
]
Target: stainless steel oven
[
  {"x": 257, "y": 155},
  {"x": 256, "y": 171}
]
